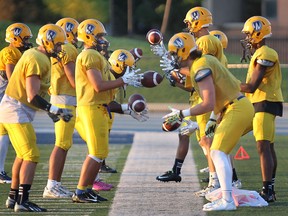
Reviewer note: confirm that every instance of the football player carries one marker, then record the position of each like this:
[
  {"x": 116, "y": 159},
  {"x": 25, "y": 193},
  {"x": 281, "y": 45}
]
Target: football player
[
  {"x": 263, "y": 88},
  {"x": 63, "y": 95},
  {"x": 95, "y": 86},
  {"x": 17, "y": 35},
  {"x": 207, "y": 76},
  {"x": 25, "y": 93}
]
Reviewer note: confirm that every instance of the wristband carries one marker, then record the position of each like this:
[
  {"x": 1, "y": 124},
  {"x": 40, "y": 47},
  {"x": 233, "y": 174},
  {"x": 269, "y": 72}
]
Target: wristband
[
  {"x": 40, "y": 103},
  {"x": 185, "y": 113},
  {"x": 124, "y": 107},
  {"x": 211, "y": 119}
]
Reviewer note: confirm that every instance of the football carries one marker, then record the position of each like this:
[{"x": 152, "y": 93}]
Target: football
[
  {"x": 166, "y": 126},
  {"x": 151, "y": 79},
  {"x": 137, "y": 102},
  {"x": 154, "y": 36},
  {"x": 137, "y": 53}
]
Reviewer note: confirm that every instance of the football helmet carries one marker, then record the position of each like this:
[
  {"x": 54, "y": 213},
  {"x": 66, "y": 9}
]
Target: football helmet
[
  {"x": 51, "y": 37},
  {"x": 221, "y": 36},
  {"x": 69, "y": 25},
  {"x": 181, "y": 45},
  {"x": 91, "y": 32},
  {"x": 120, "y": 59},
  {"x": 197, "y": 18},
  {"x": 19, "y": 34},
  {"x": 256, "y": 28}
]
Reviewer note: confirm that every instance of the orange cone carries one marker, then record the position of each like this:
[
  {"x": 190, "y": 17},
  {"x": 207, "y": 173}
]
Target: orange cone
[{"x": 241, "y": 154}]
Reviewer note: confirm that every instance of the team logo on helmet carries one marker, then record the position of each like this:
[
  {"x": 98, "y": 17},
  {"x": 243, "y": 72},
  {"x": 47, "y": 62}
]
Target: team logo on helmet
[
  {"x": 17, "y": 31},
  {"x": 257, "y": 25},
  {"x": 89, "y": 29},
  {"x": 50, "y": 35},
  {"x": 122, "y": 57},
  {"x": 218, "y": 36},
  {"x": 178, "y": 42},
  {"x": 69, "y": 27},
  {"x": 195, "y": 15}
]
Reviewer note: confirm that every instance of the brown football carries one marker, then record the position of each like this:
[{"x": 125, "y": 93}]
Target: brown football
[
  {"x": 137, "y": 102},
  {"x": 154, "y": 36},
  {"x": 137, "y": 53},
  {"x": 170, "y": 127},
  {"x": 151, "y": 79}
]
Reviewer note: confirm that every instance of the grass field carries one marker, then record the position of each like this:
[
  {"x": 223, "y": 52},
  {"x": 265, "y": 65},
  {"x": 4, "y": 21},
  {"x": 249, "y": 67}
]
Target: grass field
[{"x": 248, "y": 171}]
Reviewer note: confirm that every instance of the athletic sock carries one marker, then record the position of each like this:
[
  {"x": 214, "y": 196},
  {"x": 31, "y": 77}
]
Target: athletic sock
[
  {"x": 177, "y": 166},
  {"x": 13, "y": 194},
  {"x": 234, "y": 175},
  {"x": 24, "y": 190}
]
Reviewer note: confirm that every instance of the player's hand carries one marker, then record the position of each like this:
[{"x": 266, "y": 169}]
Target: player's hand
[
  {"x": 170, "y": 78},
  {"x": 174, "y": 116},
  {"x": 168, "y": 63},
  {"x": 158, "y": 50},
  {"x": 188, "y": 128},
  {"x": 210, "y": 127},
  {"x": 54, "y": 117},
  {"x": 132, "y": 77},
  {"x": 139, "y": 116},
  {"x": 64, "y": 114}
]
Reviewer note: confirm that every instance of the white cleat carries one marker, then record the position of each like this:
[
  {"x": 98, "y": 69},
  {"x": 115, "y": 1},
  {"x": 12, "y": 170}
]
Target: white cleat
[
  {"x": 206, "y": 190},
  {"x": 220, "y": 205},
  {"x": 237, "y": 184},
  {"x": 204, "y": 170}
]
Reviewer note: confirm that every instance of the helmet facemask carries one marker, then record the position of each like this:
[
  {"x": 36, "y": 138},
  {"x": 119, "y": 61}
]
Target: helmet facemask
[
  {"x": 102, "y": 46},
  {"x": 25, "y": 44}
]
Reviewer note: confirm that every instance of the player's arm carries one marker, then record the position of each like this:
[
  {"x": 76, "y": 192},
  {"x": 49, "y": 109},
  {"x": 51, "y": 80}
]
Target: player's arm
[
  {"x": 69, "y": 69},
  {"x": 255, "y": 80},
  {"x": 9, "y": 70}
]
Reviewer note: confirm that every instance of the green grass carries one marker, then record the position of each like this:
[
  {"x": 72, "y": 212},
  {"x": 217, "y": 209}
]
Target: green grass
[
  {"x": 249, "y": 173},
  {"x": 76, "y": 155}
]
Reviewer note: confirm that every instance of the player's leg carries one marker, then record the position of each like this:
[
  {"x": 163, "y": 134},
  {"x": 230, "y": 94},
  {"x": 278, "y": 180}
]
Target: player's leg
[{"x": 4, "y": 143}]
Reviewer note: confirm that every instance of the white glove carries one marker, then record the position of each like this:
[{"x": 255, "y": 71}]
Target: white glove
[
  {"x": 140, "y": 116},
  {"x": 168, "y": 64},
  {"x": 211, "y": 126},
  {"x": 64, "y": 114},
  {"x": 174, "y": 116},
  {"x": 159, "y": 49},
  {"x": 188, "y": 128},
  {"x": 131, "y": 77}
]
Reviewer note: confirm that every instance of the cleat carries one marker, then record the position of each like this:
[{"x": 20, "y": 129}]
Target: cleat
[
  {"x": 10, "y": 203},
  {"x": 57, "y": 191},
  {"x": 98, "y": 197},
  {"x": 107, "y": 169},
  {"x": 101, "y": 186},
  {"x": 4, "y": 178},
  {"x": 204, "y": 170},
  {"x": 169, "y": 176},
  {"x": 28, "y": 206},
  {"x": 237, "y": 184},
  {"x": 205, "y": 180},
  {"x": 206, "y": 190},
  {"x": 85, "y": 197},
  {"x": 268, "y": 197},
  {"x": 220, "y": 205}
]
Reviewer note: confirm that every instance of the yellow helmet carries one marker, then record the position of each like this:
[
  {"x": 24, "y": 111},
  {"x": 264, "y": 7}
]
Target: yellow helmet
[
  {"x": 69, "y": 25},
  {"x": 197, "y": 18},
  {"x": 120, "y": 59},
  {"x": 257, "y": 28},
  {"x": 89, "y": 30},
  {"x": 17, "y": 34},
  {"x": 182, "y": 44},
  {"x": 221, "y": 36},
  {"x": 49, "y": 36}
]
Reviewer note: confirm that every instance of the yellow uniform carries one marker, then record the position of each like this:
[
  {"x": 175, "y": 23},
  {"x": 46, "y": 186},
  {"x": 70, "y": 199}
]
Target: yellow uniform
[
  {"x": 16, "y": 112},
  {"x": 8, "y": 55},
  {"x": 237, "y": 111},
  {"x": 92, "y": 111},
  {"x": 63, "y": 95},
  {"x": 267, "y": 98}
]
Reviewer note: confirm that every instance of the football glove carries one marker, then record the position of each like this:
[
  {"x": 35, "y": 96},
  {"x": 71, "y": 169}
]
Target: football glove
[
  {"x": 211, "y": 126},
  {"x": 131, "y": 77},
  {"x": 168, "y": 64},
  {"x": 174, "y": 116},
  {"x": 64, "y": 114},
  {"x": 139, "y": 116},
  {"x": 188, "y": 128},
  {"x": 159, "y": 49},
  {"x": 170, "y": 78},
  {"x": 54, "y": 117}
]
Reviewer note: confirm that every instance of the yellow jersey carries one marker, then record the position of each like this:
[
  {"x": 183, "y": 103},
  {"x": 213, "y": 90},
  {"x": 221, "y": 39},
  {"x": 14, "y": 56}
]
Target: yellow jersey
[
  {"x": 32, "y": 62},
  {"x": 85, "y": 93},
  {"x": 9, "y": 55}
]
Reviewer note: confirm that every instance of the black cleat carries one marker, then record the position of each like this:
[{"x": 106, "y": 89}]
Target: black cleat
[
  {"x": 85, "y": 197},
  {"x": 107, "y": 169},
  {"x": 169, "y": 176},
  {"x": 96, "y": 196},
  {"x": 28, "y": 206},
  {"x": 206, "y": 180},
  {"x": 268, "y": 197}
]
